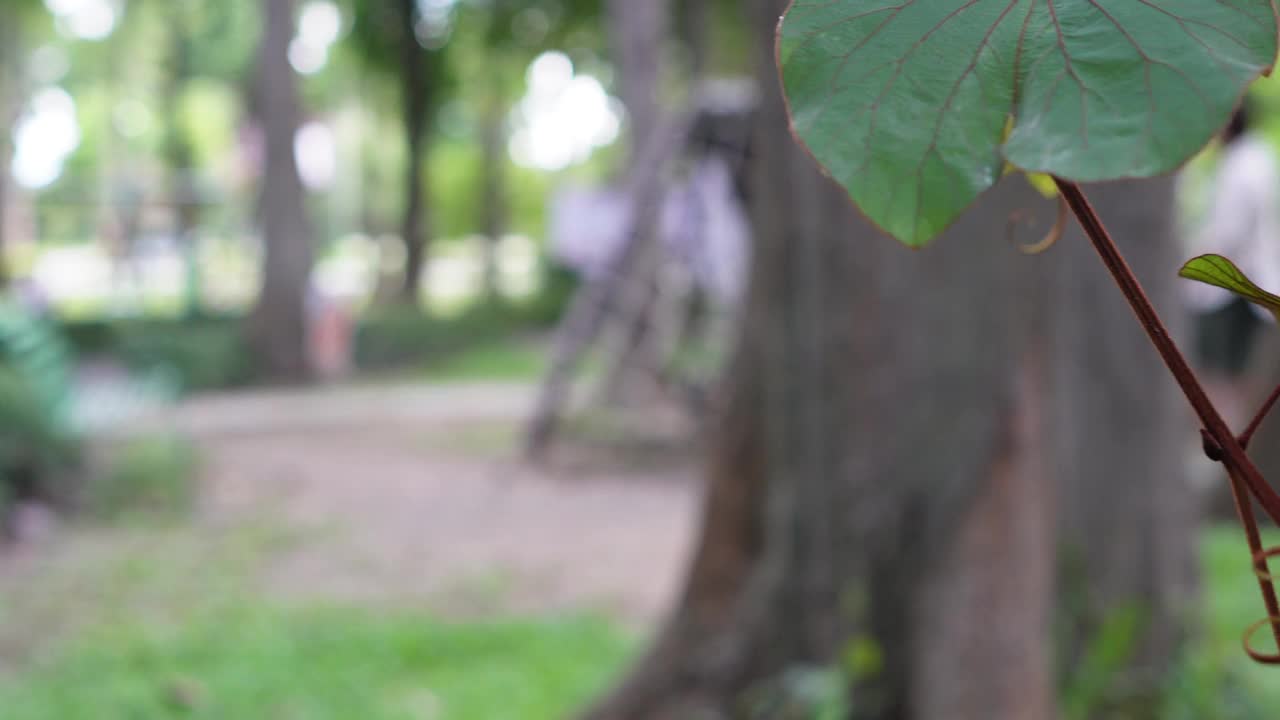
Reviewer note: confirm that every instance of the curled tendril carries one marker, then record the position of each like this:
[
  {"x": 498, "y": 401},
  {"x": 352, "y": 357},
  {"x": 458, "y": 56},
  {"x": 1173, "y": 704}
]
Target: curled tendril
[
  {"x": 1261, "y": 568},
  {"x": 1055, "y": 233},
  {"x": 1257, "y": 656}
]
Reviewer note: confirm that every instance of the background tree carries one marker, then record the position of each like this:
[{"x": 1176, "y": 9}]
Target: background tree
[
  {"x": 395, "y": 37},
  {"x": 638, "y": 34},
  {"x": 10, "y": 78},
  {"x": 1120, "y": 434},
  {"x": 278, "y": 326},
  {"x": 494, "y": 105},
  {"x": 204, "y": 40},
  {"x": 23, "y": 21},
  {"x": 881, "y": 496},
  {"x": 506, "y": 45}
]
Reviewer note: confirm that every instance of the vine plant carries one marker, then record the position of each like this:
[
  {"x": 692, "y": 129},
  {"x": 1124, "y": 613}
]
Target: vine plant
[{"x": 917, "y": 107}]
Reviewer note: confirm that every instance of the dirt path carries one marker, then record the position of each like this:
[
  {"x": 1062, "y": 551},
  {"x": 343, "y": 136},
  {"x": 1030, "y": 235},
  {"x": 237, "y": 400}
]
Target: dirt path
[
  {"x": 396, "y": 496},
  {"x": 394, "y": 515}
]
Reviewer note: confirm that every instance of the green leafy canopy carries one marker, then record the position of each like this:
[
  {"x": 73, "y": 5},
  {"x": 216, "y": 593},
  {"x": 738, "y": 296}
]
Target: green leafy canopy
[{"x": 917, "y": 106}]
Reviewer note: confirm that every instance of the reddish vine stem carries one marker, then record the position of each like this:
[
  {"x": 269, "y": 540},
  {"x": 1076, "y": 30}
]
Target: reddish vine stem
[
  {"x": 1244, "y": 509},
  {"x": 1247, "y": 436},
  {"x": 1240, "y": 468}
]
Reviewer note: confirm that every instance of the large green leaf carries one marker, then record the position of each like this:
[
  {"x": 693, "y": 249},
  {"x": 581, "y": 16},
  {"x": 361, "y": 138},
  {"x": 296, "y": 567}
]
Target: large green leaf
[{"x": 916, "y": 105}]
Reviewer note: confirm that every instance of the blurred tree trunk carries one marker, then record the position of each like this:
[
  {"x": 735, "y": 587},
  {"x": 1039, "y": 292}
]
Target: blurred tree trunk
[
  {"x": 638, "y": 32},
  {"x": 881, "y": 496},
  {"x": 415, "y": 98},
  {"x": 493, "y": 176},
  {"x": 1121, "y": 432},
  {"x": 10, "y": 80},
  {"x": 278, "y": 327},
  {"x": 1264, "y": 374},
  {"x": 178, "y": 152},
  {"x": 695, "y": 34},
  {"x": 876, "y": 495},
  {"x": 6, "y": 160}
]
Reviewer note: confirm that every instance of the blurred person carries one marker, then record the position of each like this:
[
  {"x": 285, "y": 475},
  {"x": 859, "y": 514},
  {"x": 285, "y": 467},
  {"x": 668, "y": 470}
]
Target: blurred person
[
  {"x": 330, "y": 329},
  {"x": 1241, "y": 222}
]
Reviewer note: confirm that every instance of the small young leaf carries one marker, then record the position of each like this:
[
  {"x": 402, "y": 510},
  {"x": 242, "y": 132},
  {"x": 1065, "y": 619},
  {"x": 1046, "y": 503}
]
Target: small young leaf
[
  {"x": 1043, "y": 184},
  {"x": 908, "y": 103},
  {"x": 1220, "y": 272}
]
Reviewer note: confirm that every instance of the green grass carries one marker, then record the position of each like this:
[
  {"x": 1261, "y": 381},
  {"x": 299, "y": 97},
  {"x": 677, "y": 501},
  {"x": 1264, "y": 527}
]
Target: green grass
[
  {"x": 175, "y": 628},
  {"x": 1218, "y": 681},
  {"x": 508, "y": 359},
  {"x": 169, "y": 622},
  {"x": 321, "y": 664},
  {"x": 151, "y": 476}
]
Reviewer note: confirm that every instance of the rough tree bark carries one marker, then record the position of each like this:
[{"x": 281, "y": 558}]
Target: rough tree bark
[
  {"x": 1121, "y": 432},
  {"x": 415, "y": 99},
  {"x": 278, "y": 326},
  {"x": 883, "y": 477}
]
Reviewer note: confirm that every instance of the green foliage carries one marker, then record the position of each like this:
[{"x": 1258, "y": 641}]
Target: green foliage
[
  {"x": 321, "y": 664},
  {"x": 454, "y": 169},
  {"x": 1220, "y": 272},
  {"x": 37, "y": 443},
  {"x": 916, "y": 108},
  {"x": 399, "y": 335},
  {"x": 31, "y": 435},
  {"x": 803, "y": 693},
  {"x": 206, "y": 353},
  {"x": 149, "y": 476},
  {"x": 529, "y": 26},
  {"x": 221, "y": 36},
  {"x": 197, "y": 355},
  {"x": 378, "y": 34},
  {"x": 1216, "y": 680},
  {"x": 35, "y": 353},
  {"x": 1204, "y": 687},
  {"x": 507, "y": 359},
  {"x": 36, "y": 447},
  {"x": 545, "y": 309},
  {"x": 1091, "y": 683}
]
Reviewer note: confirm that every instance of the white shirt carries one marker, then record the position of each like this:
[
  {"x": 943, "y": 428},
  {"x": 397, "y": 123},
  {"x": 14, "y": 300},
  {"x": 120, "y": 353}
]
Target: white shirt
[{"x": 1242, "y": 221}]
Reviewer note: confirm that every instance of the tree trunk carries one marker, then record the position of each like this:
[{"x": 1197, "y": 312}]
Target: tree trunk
[
  {"x": 179, "y": 155},
  {"x": 493, "y": 177},
  {"x": 1121, "y": 432},
  {"x": 695, "y": 34},
  {"x": 6, "y": 159},
  {"x": 416, "y": 100},
  {"x": 10, "y": 79},
  {"x": 875, "y": 483},
  {"x": 279, "y": 324},
  {"x": 892, "y": 449},
  {"x": 638, "y": 30}
]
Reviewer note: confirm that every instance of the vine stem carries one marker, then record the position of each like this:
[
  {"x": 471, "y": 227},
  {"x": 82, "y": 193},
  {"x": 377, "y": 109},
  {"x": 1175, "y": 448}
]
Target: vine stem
[
  {"x": 1240, "y": 468},
  {"x": 1247, "y": 436}
]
